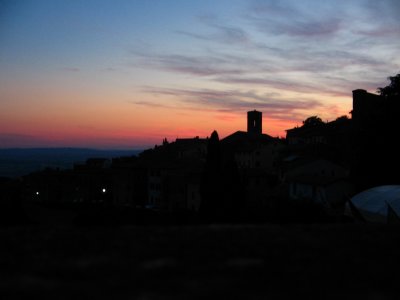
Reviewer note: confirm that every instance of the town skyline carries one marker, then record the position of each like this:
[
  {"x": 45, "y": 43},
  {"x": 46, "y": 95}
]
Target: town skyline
[{"x": 129, "y": 74}]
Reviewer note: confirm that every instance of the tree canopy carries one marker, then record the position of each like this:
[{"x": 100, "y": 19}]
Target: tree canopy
[
  {"x": 342, "y": 118},
  {"x": 393, "y": 89},
  {"x": 312, "y": 121}
]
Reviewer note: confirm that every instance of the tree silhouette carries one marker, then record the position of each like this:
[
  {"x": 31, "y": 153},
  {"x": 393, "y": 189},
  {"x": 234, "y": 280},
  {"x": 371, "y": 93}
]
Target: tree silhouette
[
  {"x": 377, "y": 160},
  {"x": 342, "y": 118},
  {"x": 221, "y": 189},
  {"x": 210, "y": 189},
  {"x": 312, "y": 121},
  {"x": 393, "y": 89},
  {"x": 213, "y": 160}
]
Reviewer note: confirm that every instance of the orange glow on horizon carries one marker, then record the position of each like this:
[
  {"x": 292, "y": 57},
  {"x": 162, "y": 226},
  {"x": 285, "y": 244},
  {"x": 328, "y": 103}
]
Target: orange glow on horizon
[{"x": 111, "y": 119}]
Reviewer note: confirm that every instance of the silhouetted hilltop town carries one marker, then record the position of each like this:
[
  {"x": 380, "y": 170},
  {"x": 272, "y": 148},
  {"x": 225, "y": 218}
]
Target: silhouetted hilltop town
[{"x": 247, "y": 176}]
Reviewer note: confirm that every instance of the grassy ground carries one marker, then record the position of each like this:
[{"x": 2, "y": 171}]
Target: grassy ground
[{"x": 198, "y": 262}]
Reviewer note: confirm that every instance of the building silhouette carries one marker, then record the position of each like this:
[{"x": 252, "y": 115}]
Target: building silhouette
[
  {"x": 254, "y": 122},
  {"x": 366, "y": 107},
  {"x": 246, "y": 175},
  {"x": 376, "y": 159}
]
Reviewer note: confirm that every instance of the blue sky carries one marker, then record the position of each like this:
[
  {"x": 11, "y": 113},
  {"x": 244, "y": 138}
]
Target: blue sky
[{"x": 127, "y": 73}]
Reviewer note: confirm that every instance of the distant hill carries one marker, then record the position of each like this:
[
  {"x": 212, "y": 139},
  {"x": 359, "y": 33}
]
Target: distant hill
[{"x": 16, "y": 162}]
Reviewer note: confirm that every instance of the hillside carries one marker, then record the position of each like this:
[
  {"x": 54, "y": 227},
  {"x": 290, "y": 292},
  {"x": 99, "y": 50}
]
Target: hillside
[{"x": 19, "y": 161}]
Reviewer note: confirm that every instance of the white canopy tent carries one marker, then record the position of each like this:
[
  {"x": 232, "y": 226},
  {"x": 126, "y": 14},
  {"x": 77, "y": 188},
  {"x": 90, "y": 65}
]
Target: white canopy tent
[{"x": 378, "y": 205}]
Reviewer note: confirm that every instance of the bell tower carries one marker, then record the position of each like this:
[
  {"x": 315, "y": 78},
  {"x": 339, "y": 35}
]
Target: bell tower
[{"x": 254, "y": 122}]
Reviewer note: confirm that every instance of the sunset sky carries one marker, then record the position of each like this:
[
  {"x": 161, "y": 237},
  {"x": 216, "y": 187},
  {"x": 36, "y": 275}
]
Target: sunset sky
[{"x": 126, "y": 74}]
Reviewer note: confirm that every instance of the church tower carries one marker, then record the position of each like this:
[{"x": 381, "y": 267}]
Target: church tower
[{"x": 254, "y": 122}]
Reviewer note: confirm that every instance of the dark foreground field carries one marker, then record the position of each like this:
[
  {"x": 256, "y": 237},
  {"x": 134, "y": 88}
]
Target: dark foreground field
[{"x": 200, "y": 262}]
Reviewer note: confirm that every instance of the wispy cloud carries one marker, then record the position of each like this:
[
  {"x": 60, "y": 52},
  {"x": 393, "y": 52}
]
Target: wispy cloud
[
  {"x": 235, "y": 101},
  {"x": 154, "y": 104},
  {"x": 71, "y": 69},
  {"x": 310, "y": 47},
  {"x": 276, "y": 73},
  {"x": 317, "y": 28},
  {"x": 294, "y": 18},
  {"x": 282, "y": 84},
  {"x": 224, "y": 34},
  {"x": 109, "y": 69},
  {"x": 260, "y": 62},
  {"x": 193, "y": 65}
]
